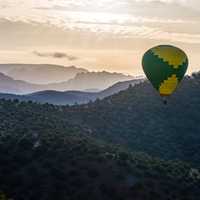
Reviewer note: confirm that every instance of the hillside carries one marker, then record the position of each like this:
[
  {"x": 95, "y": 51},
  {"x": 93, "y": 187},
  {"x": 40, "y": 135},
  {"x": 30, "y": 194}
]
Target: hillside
[
  {"x": 45, "y": 157},
  {"x": 138, "y": 119},
  {"x": 119, "y": 86},
  {"x": 61, "y": 98}
]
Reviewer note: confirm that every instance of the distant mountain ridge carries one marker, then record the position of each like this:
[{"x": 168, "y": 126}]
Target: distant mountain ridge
[
  {"x": 84, "y": 81},
  {"x": 71, "y": 97},
  {"x": 40, "y": 73},
  {"x": 81, "y": 82},
  {"x": 9, "y": 85}
]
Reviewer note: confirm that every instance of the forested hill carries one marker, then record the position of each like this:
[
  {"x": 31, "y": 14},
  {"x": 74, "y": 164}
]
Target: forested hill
[
  {"x": 43, "y": 157},
  {"x": 63, "y": 152},
  {"x": 138, "y": 119},
  {"x": 135, "y": 118}
]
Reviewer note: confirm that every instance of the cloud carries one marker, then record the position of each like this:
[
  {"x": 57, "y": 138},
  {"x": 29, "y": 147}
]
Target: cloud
[
  {"x": 55, "y": 7},
  {"x": 55, "y": 55},
  {"x": 187, "y": 3},
  {"x": 164, "y": 1}
]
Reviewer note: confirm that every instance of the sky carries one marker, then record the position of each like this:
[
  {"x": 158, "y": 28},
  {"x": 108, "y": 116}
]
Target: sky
[{"x": 97, "y": 35}]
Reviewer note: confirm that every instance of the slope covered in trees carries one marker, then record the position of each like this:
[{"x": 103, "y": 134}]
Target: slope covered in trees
[
  {"x": 138, "y": 119},
  {"x": 43, "y": 157},
  {"x": 63, "y": 152}
]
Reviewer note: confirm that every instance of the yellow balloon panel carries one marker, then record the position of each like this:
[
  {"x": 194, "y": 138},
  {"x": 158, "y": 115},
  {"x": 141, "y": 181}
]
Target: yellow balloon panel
[
  {"x": 168, "y": 86},
  {"x": 173, "y": 56}
]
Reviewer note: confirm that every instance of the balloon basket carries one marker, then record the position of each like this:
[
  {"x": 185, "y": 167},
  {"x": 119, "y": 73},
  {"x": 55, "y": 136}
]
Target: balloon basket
[{"x": 164, "y": 100}]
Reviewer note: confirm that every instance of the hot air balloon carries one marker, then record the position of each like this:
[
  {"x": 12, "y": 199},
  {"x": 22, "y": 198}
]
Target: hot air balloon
[{"x": 165, "y": 67}]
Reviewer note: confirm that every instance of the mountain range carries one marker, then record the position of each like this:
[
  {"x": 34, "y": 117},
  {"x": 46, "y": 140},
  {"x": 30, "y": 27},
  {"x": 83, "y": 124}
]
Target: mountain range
[
  {"x": 40, "y": 73},
  {"x": 70, "y": 97},
  {"x": 11, "y": 82}
]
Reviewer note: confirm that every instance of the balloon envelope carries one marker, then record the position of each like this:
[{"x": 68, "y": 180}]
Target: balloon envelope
[{"x": 165, "y": 66}]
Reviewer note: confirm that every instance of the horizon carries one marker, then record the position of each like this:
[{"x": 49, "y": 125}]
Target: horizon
[{"x": 97, "y": 36}]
